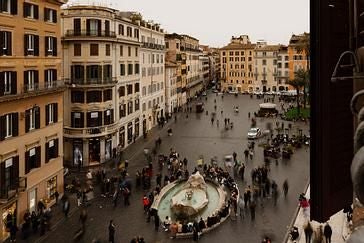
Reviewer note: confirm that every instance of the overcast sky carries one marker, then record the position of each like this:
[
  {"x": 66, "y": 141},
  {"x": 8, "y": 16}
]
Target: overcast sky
[{"x": 213, "y": 22}]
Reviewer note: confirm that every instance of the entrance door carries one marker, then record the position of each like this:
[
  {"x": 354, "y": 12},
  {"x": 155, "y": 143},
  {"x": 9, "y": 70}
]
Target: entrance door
[
  {"x": 130, "y": 132},
  {"x": 94, "y": 150},
  {"x": 122, "y": 137},
  {"x": 144, "y": 126},
  {"x": 108, "y": 146},
  {"x": 77, "y": 152}
]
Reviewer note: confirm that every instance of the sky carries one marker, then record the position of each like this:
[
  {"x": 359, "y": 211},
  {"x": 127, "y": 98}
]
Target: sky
[{"x": 214, "y": 22}]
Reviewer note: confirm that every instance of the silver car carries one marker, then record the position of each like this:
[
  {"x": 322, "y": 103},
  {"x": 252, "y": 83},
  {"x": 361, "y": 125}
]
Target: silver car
[{"x": 254, "y": 133}]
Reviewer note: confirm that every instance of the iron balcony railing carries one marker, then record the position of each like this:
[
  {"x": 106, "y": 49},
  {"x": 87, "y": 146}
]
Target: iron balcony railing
[
  {"x": 91, "y": 81},
  {"x": 93, "y": 33},
  {"x": 50, "y": 85}
]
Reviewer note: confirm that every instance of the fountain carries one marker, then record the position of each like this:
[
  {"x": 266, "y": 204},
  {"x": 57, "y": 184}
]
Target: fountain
[{"x": 190, "y": 200}]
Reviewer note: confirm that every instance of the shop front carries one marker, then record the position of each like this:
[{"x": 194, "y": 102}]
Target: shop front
[
  {"x": 136, "y": 128},
  {"x": 77, "y": 153},
  {"x": 122, "y": 137},
  {"x": 51, "y": 188},
  {"x": 108, "y": 148},
  {"x": 8, "y": 219},
  {"x": 130, "y": 132},
  {"x": 94, "y": 150}
]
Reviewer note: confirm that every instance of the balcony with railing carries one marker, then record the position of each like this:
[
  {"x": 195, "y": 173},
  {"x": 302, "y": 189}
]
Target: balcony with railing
[
  {"x": 152, "y": 46},
  {"x": 9, "y": 192},
  {"x": 90, "y": 33},
  {"x": 32, "y": 89},
  {"x": 90, "y": 132},
  {"x": 91, "y": 82}
]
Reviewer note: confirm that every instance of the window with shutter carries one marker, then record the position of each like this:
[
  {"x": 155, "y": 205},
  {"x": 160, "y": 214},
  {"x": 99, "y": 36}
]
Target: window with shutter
[
  {"x": 15, "y": 124},
  {"x": 27, "y": 162},
  {"x": 94, "y": 49},
  {"x": 77, "y": 96},
  {"x": 38, "y": 157},
  {"x": 2, "y": 127},
  {"x": 77, "y": 49},
  {"x": 77, "y": 26},
  {"x": 8, "y": 6},
  {"x": 122, "y": 69},
  {"x": 5, "y": 43},
  {"x": 30, "y": 11},
  {"x": 77, "y": 119}
]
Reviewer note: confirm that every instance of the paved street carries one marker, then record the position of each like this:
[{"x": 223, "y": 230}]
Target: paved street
[{"x": 193, "y": 137}]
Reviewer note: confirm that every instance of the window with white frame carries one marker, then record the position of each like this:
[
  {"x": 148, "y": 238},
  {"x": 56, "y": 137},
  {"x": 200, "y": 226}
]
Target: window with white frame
[
  {"x": 7, "y": 82},
  {"x": 30, "y": 82},
  {"x": 32, "y": 118},
  {"x": 50, "y": 75},
  {"x": 30, "y": 42},
  {"x": 50, "y": 113},
  {"x": 8, "y": 125}
]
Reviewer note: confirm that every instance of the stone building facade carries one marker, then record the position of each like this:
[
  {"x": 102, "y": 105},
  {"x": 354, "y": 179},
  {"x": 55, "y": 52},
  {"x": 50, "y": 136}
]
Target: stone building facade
[{"x": 31, "y": 108}]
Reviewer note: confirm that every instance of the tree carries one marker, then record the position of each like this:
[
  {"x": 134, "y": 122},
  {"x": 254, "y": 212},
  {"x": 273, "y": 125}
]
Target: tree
[
  {"x": 303, "y": 46},
  {"x": 299, "y": 81}
]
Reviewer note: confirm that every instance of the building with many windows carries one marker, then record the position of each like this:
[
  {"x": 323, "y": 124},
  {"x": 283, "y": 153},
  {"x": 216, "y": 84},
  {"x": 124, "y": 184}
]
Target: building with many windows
[
  {"x": 265, "y": 74},
  {"x": 171, "y": 87},
  {"x": 175, "y": 55},
  {"x": 101, "y": 65},
  {"x": 297, "y": 58},
  {"x": 184, "y": 51},
  {"x": 31, "y": 108},
  {"x": 237, "y": 65},
  {"x": 283, "y": 68},
  {"x": 152, "y": 54}
]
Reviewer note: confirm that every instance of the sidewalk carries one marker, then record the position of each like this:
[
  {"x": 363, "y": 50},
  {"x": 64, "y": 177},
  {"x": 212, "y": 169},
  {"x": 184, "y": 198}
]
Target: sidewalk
[
  {"x": 129, "y": 153},
  {"x": 340, "y": 228}
]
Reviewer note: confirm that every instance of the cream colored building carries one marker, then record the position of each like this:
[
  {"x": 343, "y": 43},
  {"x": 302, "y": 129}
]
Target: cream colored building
[
  {"x": 265, "y": 74},
  {"x": 171, "y": 87},
  {"x": 152, "y": 55},
  {"x": 237, "y": 65},
  {"x": 31, "y": 108},
  {"x": 204, "y": 69},
  {"x": 283, "y": 68},
  {"x": 101, "y": 51},
  {"x": 194, "y": 83}
]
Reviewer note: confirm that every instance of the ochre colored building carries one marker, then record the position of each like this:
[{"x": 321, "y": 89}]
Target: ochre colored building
[
  {"x": 31, "y": 108},
  {"x": 237, "y": 65}
]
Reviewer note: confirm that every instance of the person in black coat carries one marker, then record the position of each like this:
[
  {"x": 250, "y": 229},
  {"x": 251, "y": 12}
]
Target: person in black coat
[
  {"x": 327, "y": 233},
  {"x": 111, "y": 232}
]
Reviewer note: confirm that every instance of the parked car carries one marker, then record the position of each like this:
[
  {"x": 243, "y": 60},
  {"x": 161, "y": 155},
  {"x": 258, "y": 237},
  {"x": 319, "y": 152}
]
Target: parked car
[
  {"x": 233, "y": 92},
  {"x": 254, "y": 133},
  {"x": 204, "y": 93},
  {"x": 215, "y": 91}
]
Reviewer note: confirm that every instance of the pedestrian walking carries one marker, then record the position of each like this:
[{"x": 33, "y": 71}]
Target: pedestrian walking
[
  {"x": 217, "y": 123},
  {"x": 285, "y": 187},
  {"x": 241, "y": 207},
  {"x": 111, "y": 232},
  {"x": 13, "y": 230},
  {"x": 115, "y": 197},
  {"x": 248, "y": 114},
  {"x": 156, "y": 221},
  {"x": 246, "y": 154},
  {"x": 252, "y": 207},
  {"x": 308, "y": 232},
  {"x": 83, "y": 217},
  {"x": 327, "y": 233},
  {"x": 251, "y": 154},
  {"x": 56, "y": 195},
  {"x": 66, "y": 208}
]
